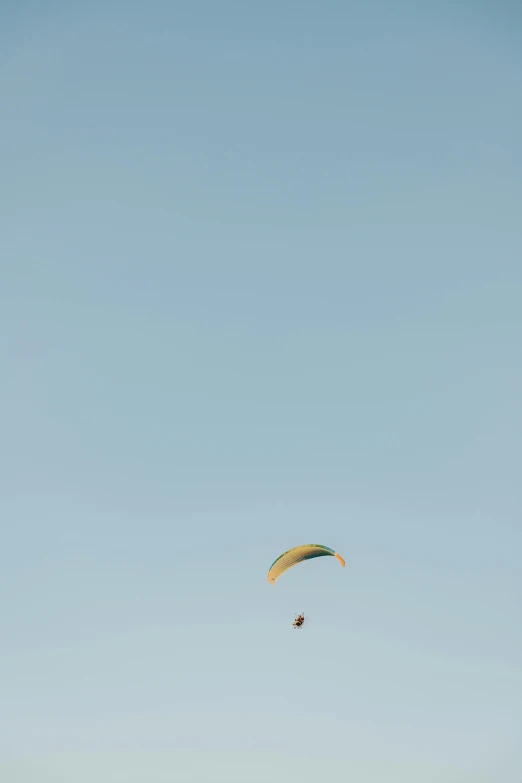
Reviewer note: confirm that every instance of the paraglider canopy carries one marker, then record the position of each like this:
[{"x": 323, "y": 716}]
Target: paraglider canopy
[{"x": 297, "y": 555}]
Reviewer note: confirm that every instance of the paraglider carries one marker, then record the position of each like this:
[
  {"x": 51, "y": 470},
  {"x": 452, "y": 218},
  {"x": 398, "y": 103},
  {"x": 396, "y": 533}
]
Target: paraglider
[
  {"x": 300, "y": 621},
  {"x": 292, "y": 558}
]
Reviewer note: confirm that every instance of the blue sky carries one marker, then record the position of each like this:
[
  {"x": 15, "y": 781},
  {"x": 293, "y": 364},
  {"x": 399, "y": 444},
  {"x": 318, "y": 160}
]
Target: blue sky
[{"x": 260, "y": 285}]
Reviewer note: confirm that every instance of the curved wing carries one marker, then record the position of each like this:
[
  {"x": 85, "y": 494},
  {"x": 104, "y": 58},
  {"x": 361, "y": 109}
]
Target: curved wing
[{"x": 297, "y": 555}]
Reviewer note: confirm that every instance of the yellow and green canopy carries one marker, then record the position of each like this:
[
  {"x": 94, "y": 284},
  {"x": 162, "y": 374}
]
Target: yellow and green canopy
[{"x": 297, "y": 555}]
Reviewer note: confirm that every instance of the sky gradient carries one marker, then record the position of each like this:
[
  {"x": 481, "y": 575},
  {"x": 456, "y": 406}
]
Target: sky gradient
[{"x": 260, "y": 285}]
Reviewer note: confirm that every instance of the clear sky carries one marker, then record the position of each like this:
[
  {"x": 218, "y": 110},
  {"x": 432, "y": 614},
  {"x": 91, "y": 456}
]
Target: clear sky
[{"x": 260, "y": 285}]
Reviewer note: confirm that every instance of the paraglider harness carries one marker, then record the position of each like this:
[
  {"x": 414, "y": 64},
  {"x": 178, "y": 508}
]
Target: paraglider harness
[{"x": 299, "y": 621}]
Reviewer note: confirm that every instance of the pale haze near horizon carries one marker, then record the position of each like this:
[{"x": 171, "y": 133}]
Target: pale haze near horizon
[{"x": 260, "y": 285}]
